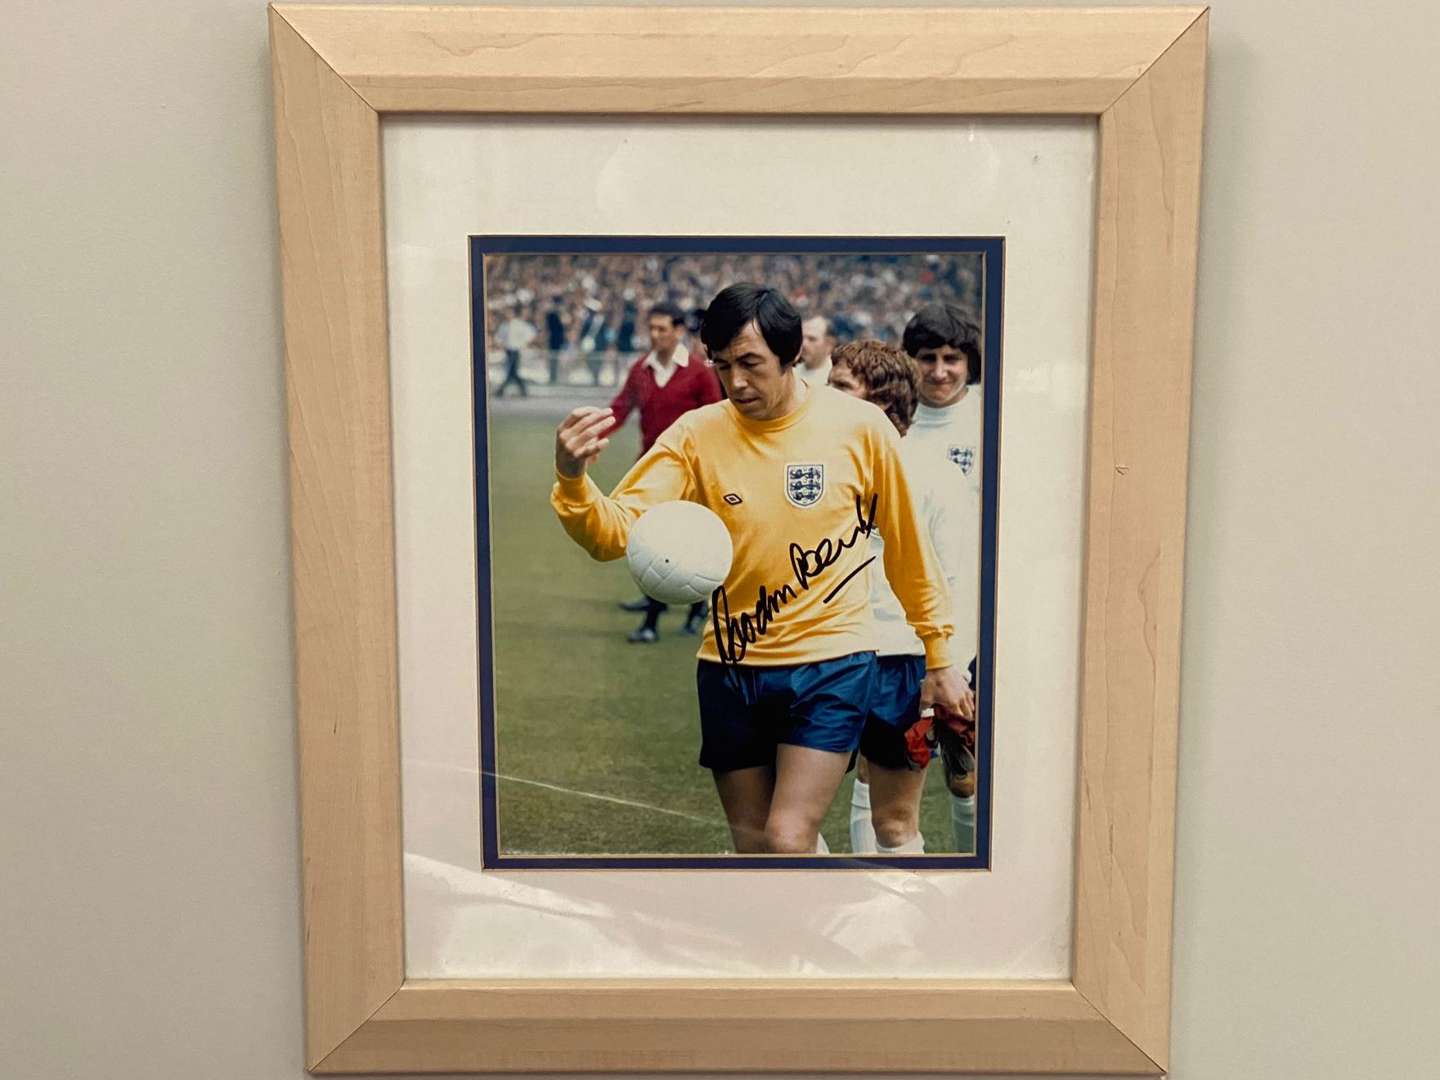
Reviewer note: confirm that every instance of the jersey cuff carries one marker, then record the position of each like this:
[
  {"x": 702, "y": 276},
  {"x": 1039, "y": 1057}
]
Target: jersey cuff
[
  {"x": 573, "y": 489},
  {"x": 937, "y": 652}
]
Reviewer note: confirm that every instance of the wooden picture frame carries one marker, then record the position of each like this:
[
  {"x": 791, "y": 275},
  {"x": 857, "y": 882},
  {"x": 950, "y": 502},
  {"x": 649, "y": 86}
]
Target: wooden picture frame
[{"x": 1140, "y": 72}]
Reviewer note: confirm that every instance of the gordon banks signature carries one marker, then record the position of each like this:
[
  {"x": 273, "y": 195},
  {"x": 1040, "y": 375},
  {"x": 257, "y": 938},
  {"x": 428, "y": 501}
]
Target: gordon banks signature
[{"x": 733, "y": 637}]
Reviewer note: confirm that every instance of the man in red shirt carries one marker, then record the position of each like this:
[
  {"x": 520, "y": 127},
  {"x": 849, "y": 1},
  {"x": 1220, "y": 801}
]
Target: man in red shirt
[{"x": 661, "y": 386}]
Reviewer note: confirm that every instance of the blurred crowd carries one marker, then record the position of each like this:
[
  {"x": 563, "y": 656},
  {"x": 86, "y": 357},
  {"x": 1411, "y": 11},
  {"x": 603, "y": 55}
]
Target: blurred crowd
[{"x": 587, "y": 311}]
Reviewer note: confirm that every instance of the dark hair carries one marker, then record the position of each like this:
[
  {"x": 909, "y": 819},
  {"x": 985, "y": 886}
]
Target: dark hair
[
  {"x": 667, "y": 310},
  {"x": 888, "y": 375},
  {"x": 935, "y": 326},
  {"x": 737, "y": 306}
]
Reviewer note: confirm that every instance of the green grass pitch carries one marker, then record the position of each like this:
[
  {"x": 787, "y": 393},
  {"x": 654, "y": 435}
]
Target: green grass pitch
[{"x": 597, "y": 739}]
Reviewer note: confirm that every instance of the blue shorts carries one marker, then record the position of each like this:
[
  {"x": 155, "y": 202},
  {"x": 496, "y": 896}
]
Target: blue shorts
[
  {"x": 894, "y": 706},
  {"x": 747, "y": 711}
]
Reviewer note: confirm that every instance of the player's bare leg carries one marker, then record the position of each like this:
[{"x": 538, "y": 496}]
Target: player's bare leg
[
  {"x": 745, "y": 795},
  {"x": 805, "y": 783},
  {"x": 895, "y": 805}
]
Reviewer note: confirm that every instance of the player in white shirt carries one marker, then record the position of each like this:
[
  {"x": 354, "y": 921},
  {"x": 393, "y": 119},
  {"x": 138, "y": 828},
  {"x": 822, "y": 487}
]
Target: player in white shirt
[
  {"x": 815, "y": 345},
  {"x": 895, "y": 745},
  {"x": 945, "y": 342},
  {"x": 515, "y": 335}
]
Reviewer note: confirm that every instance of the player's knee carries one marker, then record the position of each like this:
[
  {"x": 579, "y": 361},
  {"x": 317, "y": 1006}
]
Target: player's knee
[
  {"x": 894, "y": 825},
  {"x": 790, "y": 836},
  {"x": 749, "y": 839}
]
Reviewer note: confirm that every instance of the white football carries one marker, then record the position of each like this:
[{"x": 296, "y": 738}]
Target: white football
[{"x": 679, "y": 552}]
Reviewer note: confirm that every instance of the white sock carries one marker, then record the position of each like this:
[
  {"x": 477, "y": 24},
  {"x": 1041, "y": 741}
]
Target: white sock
[
  {"x": 962, "y": 823},
  {"x": 914, "y": 846},
  {"x": 821, "y": 848},
  {"x": 862, "y": 831}
]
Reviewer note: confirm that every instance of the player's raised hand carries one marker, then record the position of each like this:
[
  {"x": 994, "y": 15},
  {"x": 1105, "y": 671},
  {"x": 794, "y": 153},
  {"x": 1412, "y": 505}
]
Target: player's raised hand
[{"x": 580, "y": 438}]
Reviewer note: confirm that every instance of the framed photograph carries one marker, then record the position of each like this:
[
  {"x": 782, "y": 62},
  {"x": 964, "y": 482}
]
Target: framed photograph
[
  {"x": 738, "y": 478},
  {"x": 613, "y": 325}
]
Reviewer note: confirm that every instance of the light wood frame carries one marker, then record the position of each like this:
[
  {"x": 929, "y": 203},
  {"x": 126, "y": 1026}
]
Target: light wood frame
[{"x": 1140, "y": 72}]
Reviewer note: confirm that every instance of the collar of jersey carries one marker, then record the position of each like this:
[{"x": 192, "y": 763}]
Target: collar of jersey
[
  {"x": 680, "y": 357},
  {"x": 930, "y": 416},
  {"x": 779, "y": 423}
]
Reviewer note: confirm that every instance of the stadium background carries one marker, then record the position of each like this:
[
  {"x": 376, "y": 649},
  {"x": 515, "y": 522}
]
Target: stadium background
[{"x": 597, "y": 738}]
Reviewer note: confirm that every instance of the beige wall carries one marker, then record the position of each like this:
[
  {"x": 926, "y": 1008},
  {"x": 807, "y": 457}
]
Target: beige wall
[{"x": 149, "y": 892}]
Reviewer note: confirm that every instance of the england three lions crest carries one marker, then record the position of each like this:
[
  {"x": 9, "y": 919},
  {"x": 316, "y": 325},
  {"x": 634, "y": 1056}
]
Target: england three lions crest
[
  {"x": 804, "y": 484},
  {"x": 964, "y": 456}
]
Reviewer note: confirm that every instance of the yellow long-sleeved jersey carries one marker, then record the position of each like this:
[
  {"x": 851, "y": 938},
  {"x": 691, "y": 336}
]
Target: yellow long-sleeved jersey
[{"x": 800, "y": 496}]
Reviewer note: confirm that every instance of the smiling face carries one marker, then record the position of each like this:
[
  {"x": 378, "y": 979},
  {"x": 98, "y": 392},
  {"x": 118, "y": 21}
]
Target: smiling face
[
  {"x": 755, "y": 381},
  {"x": 944, "y": 373}
]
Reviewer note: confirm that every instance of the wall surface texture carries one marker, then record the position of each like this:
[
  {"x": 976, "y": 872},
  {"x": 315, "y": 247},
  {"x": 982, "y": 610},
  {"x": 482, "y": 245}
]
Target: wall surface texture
[{"x": 149, "y": 898}]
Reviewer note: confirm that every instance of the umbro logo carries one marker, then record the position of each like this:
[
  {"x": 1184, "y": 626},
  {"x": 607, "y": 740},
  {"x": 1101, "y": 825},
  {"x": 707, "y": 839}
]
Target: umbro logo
[{"x": 733, "y": 499}]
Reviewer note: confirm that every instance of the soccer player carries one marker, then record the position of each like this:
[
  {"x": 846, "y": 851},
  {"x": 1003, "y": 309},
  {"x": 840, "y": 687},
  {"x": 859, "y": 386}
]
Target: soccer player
[
  {"x": 816, "y": 343},
  {"x": 662, "y": 385},
  {"x": 945, "y": 341},
  {"x": 885, "y": 797},
  {"x": 801, "y": 477}
]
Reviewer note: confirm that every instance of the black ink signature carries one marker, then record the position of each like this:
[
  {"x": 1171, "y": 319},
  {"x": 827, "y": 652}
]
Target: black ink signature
[{"x": 733, "y": 637}]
